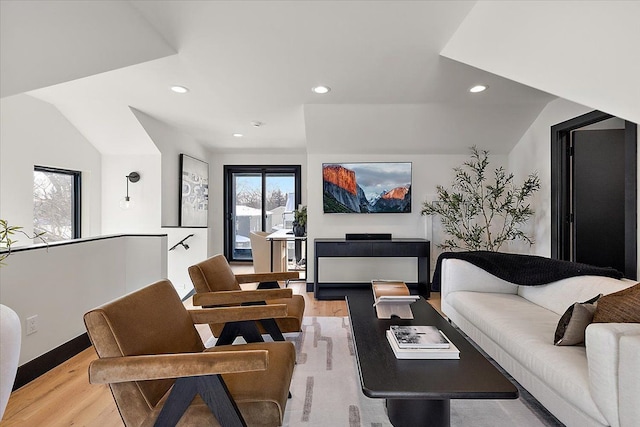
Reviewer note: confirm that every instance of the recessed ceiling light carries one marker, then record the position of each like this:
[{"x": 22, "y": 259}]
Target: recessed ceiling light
[
  {"x": 478, "y": 88},
  {"x": 321, "y": 89},
  {"x": 238, "y": 135},
  {"x": 179, "y": 89}
]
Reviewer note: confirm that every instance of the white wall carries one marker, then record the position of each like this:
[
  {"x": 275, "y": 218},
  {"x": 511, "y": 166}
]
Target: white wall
[
  {"x": 171, "y": 143},
  {"x": 433, "y": 128},
  {"x": 585, "y": 52},
  {"x": 144, "y": 214},
  {"x": 155, "y": 196},
  {"x": 34, "y": 132},
  {"x": 533, "y": 153},
  {"x": 71, "y": 279},
  {"x": 48, "y": 42},
  {"x": 180, "y": 259}
]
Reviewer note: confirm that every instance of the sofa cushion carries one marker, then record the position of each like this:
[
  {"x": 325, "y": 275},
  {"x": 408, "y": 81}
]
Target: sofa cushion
[
  {"x": 629, "y": 386},
  {"x": 459, "y": 275},
  {"x": 523, "y": 330},
  {"x": 574, "y": 321},
  {"x": 557, "y": 296},
  {"x": 604, "y": 348},
  {"x": 620, "y": 307}
]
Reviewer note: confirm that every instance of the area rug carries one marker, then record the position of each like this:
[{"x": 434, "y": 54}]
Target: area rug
[{"x": 326, "y": 389}]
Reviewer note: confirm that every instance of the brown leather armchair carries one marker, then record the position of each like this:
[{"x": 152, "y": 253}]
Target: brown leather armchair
[
  {"x": 217, "y": 285},
  {"x": 155, "y": 363}
]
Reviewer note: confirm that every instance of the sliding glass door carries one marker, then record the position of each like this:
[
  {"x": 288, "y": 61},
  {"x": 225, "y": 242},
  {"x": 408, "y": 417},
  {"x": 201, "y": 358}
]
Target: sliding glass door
[{"x": 257, "y": 198}]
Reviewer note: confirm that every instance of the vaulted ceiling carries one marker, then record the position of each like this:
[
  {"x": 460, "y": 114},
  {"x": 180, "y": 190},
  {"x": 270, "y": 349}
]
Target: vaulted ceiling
[{"x": 248, "y": 61}]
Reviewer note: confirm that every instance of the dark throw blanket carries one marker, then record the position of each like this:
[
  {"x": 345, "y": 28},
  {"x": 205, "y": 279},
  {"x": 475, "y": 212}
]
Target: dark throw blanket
[{"x": 527, "y": 270}]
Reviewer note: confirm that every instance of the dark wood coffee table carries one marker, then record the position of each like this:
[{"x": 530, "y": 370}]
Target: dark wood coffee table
[{"x": 418, "y": 392}]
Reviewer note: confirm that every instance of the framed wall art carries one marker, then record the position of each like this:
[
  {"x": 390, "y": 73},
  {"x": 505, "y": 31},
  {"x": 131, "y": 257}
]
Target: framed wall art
[{"x": 194, "y": 192}]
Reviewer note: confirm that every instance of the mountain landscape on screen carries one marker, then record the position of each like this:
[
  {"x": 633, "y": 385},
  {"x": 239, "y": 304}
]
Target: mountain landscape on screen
[{"x": 366, "y": 187}]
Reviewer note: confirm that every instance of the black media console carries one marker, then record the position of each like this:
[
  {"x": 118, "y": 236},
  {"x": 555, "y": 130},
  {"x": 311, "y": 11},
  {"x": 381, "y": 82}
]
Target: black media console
[{"x": 340, "y": 248}]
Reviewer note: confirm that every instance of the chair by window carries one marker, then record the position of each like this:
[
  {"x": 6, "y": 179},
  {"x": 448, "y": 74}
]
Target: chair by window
[
  {"x": 217, "y": 285},
  {"x": 262, "y": 255},
  {"x": 155, "y": 363}
]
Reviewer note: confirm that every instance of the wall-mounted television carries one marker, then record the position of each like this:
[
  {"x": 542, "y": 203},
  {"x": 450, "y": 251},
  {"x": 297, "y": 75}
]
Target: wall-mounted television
[{"x": 378, "y": 187}]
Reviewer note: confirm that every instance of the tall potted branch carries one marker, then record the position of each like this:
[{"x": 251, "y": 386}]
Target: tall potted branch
[{"x": 479, "y": 214}]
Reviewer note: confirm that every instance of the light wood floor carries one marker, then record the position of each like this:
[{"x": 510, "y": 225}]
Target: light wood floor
[{"x": 64, "y": 397}]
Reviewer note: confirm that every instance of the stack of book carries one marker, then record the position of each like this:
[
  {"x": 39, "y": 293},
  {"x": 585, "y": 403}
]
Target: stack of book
[
  {"x": 421, "y": 342},
  {"x": 391, "y": 298}
]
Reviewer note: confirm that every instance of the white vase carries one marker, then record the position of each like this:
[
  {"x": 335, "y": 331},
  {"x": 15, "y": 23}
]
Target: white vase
[{"x": 10, "y": 336}]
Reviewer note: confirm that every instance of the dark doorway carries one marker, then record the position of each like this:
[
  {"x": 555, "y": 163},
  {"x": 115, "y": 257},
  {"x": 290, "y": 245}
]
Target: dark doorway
[
  {"x": 598, "y": 197},
  {"x": 594, "y": 203}
]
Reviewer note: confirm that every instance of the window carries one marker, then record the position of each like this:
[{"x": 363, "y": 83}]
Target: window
[
  {"x": 257, "y": 200},
  {"x": 56, "y": 203}
]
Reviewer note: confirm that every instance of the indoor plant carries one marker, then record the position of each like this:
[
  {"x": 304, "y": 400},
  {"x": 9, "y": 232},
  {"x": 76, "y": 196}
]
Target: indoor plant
[
  {"x": 300, "y": 221},
  {"x": 7, "y": 232},
  {"x": 10, "y": 328},
  {"x": 482, "y": 215}
]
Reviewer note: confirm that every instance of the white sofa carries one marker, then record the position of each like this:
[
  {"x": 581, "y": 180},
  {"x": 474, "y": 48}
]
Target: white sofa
[{"x": 596, "y": 385}]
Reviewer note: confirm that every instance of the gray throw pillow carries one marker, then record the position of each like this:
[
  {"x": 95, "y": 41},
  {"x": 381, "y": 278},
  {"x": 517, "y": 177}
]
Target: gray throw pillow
[{"x": 574, "y": 322}]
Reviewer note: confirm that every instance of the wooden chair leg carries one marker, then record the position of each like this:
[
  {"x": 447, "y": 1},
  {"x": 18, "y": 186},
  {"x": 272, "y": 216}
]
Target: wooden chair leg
[
  {"x": 246, "y": 329},
  {"x": 269, "y": 325},
  {"x": 272, "y": 329},
  {"x": 269, "y": 285},
  {"x": 213, "y": 391},
  {"x": 181, "y": 396}
]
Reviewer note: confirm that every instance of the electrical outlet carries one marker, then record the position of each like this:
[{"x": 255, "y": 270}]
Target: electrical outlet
[{"x": 32, "y": 324}]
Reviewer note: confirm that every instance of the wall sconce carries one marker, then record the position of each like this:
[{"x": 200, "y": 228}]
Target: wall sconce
[{"x": 126, "y": 202}]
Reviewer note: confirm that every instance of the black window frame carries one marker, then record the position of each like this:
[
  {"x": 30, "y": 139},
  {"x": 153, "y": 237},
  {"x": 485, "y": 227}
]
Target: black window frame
[
  {"x": 76, "y": 220},
  {"x": 228, "y": 192}
]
